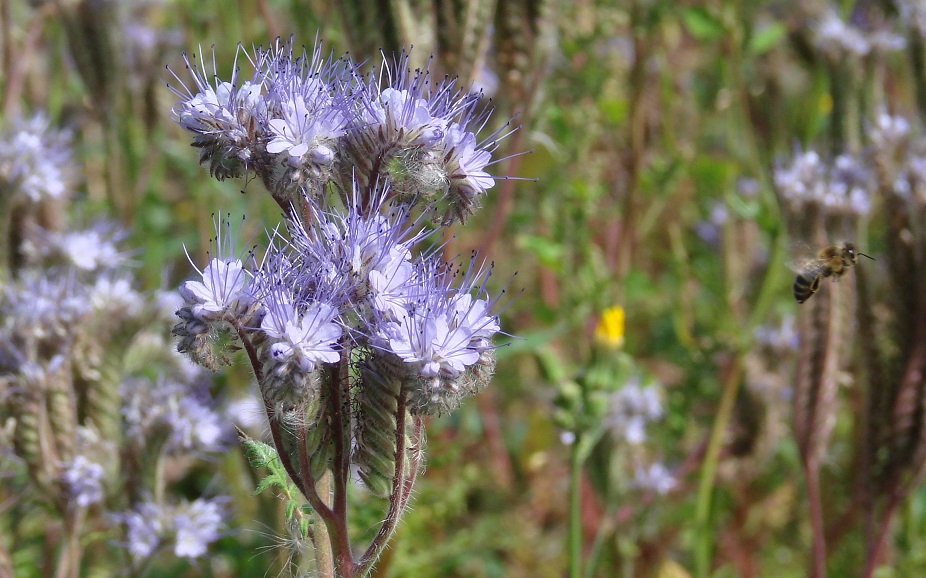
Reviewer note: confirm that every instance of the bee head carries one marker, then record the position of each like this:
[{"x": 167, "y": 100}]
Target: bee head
[
  {"x": 849, "y": 250},
  {"x": 853, "y": 255}
]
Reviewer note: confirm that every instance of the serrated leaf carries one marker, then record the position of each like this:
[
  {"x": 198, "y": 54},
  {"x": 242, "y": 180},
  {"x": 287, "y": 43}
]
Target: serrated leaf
[
  {"x": 291, "y": 506},
  {"x": 270, "y": 480},
  {"x": 259, "y": 454},
  {"x": 702, "y": 24}
]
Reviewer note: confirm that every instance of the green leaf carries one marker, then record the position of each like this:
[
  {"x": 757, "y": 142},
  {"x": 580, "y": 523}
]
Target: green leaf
[
  {"x": 304, "y": 526},
  {"x": 766, "y": 37},
  {"x": 262, "y": 455},
  {"x": 548, "y": 252},
  {"x": 272, "y": 480},
  {"x": 702, "y": 24},
  {"x": 744, "y": 208}
]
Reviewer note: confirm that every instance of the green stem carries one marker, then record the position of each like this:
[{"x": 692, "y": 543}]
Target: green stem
[
  {"x": 703, "y": 538},
  {"x": 321, "y": 539},
  {"x": 575, "y": 512}
]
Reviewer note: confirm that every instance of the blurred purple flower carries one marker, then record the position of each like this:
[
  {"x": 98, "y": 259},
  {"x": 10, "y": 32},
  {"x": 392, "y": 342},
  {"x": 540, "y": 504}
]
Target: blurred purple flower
[{"x": 83, "y": 480}]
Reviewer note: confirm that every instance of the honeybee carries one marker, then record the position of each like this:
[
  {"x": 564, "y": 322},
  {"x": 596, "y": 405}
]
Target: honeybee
[{"x": 832, "y": 261}]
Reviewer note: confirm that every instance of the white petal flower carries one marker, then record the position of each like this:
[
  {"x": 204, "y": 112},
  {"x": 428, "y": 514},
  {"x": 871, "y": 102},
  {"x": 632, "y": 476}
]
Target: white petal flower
[{"x": 224, "y": 286}]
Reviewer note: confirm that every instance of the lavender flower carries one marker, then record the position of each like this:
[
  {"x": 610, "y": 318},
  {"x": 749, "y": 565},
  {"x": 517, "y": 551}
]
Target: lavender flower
[
  {"x": 340, "y": 252},
  {"x": 442, "y": 330},
  {"x": 116, "y": 297},
  {"x": 83, "y": 480},
  {"x": 630, "y": 409},
  {"x": 838, "y": 38},
  {"x": 429, "y": 140},
  {"x": 840, "y": 186},
  {"x": 197, "y": 524},
  {"x": 226, "y": 116},
  {"x": 431, "y": 342},
  {"x": 146, "y": 529},
  {"x": 225, "y": 286},
  {"x": 192, "y": 424},
  {"x": 889, "y": 133},
  {"x": 309, "y": 123},
  {"x": 35, "y": 160},
  {"x": 89, "y": 250},
  {"x": 782, "y": 338},
  {"x": 44, "y": 307},
  {"x": 343, "y": 291},
  {"x": 303, "y": 121},
  {"x": 841, "y": 40},
  {"x": 306, "y": 337},
  {"x": 191, "y": 526},
  {"x": 656, "y": 478}
]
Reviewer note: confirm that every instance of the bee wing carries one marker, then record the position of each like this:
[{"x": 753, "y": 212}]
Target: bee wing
[
  {"x": 804, "y": 258},
  {"x": 810, "y": 268}
]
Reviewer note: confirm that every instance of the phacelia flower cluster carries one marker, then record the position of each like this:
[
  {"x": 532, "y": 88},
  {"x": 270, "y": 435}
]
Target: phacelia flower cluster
[
  {"x": 304, "y": 122},
  {"x": 630, "y": 409},
  {"x": 353, "y": 303},
  {"x": 35, "y": 161},
  {"x": 187, "y": 528},
  {"x": 838, "y": 186},
  {"x": 344, "y": 282},
  {"x": 841, "y": 40}
]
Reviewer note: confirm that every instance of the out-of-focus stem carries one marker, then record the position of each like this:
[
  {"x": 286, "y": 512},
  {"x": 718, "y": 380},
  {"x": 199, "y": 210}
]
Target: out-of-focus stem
[
  {"x": 918, "y": 65},
  {"x": 875, "y": 549},
  {"x": 69, "y": 557},
  {"x": 17, "y": 60},
  {"x": 575, "y": 511},
  {"x": 839, "y": 94},
  {"x": 636, "y": 140},
  {"x": 815, "y": 505},
  {"x": 709, "y": 469}
]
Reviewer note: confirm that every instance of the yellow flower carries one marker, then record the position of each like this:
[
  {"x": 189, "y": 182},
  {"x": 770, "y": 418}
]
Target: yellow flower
[{"x": 610, "y": 329}]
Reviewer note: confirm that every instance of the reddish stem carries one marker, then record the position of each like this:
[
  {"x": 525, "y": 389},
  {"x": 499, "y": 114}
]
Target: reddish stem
[
  {"x": 818, "y": 552},
  {"x": 338, "y": 402}
]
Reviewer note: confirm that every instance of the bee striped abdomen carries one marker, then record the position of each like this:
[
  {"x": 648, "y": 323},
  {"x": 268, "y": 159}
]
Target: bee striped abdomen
[{"x": 805, "y": 286}]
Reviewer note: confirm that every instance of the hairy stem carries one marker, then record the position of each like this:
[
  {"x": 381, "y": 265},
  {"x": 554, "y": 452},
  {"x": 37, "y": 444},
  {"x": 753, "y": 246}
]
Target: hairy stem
[
  {"x": 339, "y": 409},
  {"x": 397, "y": 499}
]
